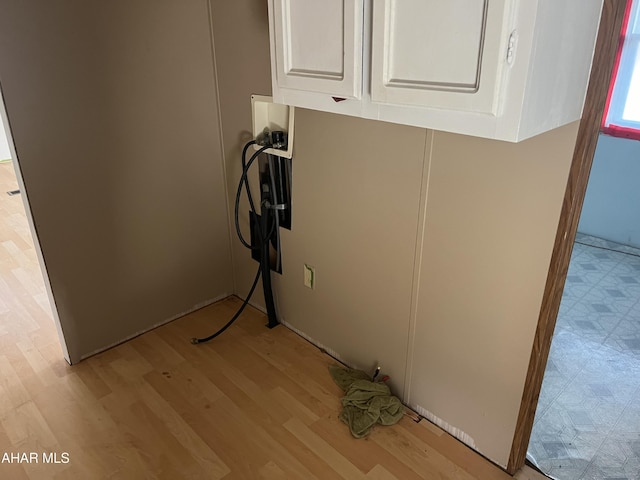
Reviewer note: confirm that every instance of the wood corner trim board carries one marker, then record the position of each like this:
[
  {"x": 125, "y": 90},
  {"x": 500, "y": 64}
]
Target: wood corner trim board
[{"x": 602, "y": 67}]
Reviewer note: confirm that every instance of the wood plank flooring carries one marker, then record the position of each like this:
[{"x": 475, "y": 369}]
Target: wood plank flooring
[{"x": 253, "y": 403}]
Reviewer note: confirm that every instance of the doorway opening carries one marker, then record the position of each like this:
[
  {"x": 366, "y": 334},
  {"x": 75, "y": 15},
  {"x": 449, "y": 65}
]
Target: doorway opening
[
  {"x": 27, "y": 316},
  {"x": 587, "y": 423}
]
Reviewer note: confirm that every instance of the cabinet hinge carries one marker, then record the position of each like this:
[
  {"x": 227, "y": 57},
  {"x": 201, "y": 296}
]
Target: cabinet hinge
[{"x": 511, "y": 47}]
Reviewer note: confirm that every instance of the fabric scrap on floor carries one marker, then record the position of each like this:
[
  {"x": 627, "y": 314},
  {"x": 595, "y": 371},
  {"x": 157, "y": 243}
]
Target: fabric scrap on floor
[{"x": 365, "y": 402}]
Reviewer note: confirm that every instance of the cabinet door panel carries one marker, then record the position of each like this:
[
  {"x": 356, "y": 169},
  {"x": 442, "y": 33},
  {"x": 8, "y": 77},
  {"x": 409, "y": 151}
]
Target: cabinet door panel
[
  {"x": 438, "y": 54},
  {"x": 318, "y": 46}
]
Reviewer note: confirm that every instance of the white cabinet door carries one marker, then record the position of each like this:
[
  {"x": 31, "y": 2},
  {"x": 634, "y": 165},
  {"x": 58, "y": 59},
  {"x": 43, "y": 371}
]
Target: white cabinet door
[
  {"x": 318, "y": 46},
  {"x": 442, "y": 54}
]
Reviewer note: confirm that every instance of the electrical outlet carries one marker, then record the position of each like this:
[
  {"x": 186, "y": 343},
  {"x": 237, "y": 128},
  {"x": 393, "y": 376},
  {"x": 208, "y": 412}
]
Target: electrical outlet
[{"x": 309, "y": 276}]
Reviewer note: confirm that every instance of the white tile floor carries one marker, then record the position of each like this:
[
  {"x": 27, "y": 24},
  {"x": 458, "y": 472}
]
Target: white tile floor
[{"x": 587, "y": 425}]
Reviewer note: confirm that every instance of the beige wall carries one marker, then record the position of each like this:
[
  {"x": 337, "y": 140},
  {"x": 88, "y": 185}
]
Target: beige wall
[
  {"x": 113, "y": 112},
  {"x": 431, "y": 249},
  {"x": 430, "y": 261},
  {"x": 356, "y": 198},
  {"x": 492, "y": 210}
]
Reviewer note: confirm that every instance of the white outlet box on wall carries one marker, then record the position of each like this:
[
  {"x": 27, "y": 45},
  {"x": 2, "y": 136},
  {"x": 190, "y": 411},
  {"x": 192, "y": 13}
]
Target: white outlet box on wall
[{"x": 272, "y": 116}]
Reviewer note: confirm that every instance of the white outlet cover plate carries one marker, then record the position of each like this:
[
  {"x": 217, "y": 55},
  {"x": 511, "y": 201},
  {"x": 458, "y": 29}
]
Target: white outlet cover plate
[{"x": 309, "y": 276}]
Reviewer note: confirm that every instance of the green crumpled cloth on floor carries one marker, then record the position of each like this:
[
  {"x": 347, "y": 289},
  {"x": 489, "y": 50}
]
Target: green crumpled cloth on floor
[{"x": 365, "y": 403}]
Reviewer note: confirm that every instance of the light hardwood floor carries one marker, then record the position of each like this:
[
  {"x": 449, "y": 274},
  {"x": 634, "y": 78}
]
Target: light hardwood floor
[{"x": 254, "y": 403}]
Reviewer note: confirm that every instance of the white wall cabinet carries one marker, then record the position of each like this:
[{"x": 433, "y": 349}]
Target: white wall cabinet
[
  {"x": 437, "y": 54},
  {"x": 504, "y": 69},
  {"x": 319, "y": 46}
]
